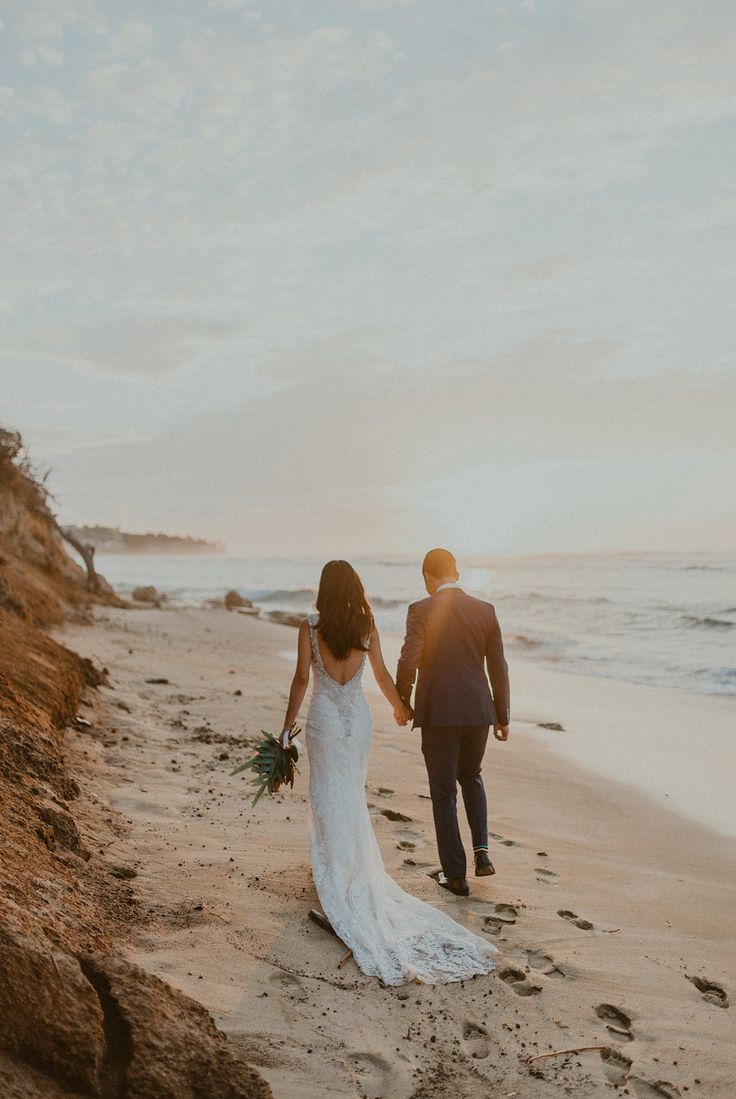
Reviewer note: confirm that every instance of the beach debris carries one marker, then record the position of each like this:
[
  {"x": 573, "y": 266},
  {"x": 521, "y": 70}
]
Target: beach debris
[
  {"x": 712, "y": 993},
  {"x": 82, "y": 722},
  {"x": 554, "y": 725},
  {"x": 207, "y": 908},
  {"x": 344, "y": 960},
  {"x": 565, "y": 1052},
  {"x": 159, "y": 680},
  {"x": 321, "y": 920}
]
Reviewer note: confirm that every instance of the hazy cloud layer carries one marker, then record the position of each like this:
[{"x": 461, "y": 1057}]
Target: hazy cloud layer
[{"x": 370, "y": 271}]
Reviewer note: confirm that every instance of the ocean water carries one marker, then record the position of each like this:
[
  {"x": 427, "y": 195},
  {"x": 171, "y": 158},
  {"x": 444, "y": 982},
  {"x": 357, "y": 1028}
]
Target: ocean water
[{"x": 667, "y": 620}]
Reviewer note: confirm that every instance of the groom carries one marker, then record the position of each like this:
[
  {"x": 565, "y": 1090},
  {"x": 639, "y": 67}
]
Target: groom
[{"x": 450, "y": 639}]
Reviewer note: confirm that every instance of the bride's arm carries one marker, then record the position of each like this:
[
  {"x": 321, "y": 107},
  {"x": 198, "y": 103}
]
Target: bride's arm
[
  {"x": 402, "y": 712},
  {"x": 300, "y": 682}
]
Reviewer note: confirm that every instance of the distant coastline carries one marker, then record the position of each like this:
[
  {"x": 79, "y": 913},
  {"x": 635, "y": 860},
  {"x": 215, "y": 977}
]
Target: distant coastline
[{"x": 113, "y": 540}]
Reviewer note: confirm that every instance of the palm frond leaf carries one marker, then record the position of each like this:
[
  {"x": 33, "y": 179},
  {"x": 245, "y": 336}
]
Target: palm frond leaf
[{"x": 273, "y": 765}]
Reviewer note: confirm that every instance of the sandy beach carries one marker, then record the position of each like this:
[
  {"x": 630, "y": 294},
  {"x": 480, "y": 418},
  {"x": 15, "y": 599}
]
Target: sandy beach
[{"x": 613, "y": 915}]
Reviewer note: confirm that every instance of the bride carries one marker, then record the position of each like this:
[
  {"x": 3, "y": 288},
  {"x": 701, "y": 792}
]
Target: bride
[{"x": 392, "y": 934}]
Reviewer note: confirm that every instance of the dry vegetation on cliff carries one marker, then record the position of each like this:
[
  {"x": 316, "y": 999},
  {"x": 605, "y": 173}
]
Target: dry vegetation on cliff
[{"x": 77, "y": 1018}]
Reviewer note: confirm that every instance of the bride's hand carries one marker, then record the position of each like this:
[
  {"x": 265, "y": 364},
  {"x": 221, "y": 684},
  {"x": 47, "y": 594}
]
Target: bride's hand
[{"x": 403, "y": 714}]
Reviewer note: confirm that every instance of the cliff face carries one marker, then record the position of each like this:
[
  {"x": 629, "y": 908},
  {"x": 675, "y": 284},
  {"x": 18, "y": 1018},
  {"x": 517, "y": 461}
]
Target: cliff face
[
  {"x": 77, "y": 1019},
  {"x": 39, "y": 582}
]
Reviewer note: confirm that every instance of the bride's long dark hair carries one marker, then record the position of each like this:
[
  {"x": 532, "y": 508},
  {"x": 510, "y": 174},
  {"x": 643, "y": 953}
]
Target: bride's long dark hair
[{"x": 345, "y": 616}]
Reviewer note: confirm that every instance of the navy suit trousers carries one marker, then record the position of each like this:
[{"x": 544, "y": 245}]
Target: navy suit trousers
[{"x": 454, "y": 754}]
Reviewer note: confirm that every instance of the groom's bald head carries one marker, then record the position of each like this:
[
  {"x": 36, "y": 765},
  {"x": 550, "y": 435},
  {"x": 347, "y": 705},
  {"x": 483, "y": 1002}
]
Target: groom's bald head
[{"x": 439, "y": 567}]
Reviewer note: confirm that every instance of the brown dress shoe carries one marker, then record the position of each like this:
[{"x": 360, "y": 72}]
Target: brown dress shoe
[{"x": 458, "y": 886}]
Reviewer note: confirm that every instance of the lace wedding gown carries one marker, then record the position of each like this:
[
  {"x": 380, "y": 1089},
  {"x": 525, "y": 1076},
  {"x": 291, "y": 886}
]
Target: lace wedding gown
[{"x": 392, "y": 935}]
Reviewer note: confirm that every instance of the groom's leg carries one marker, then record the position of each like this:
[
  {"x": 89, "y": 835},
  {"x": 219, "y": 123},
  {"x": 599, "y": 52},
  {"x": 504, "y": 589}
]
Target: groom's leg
[
  {"x": 470, "y": 760},
  {"x": 440, "y": 748}
]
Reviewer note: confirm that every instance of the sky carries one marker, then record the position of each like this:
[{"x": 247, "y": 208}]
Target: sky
[{"x": 374, "y": 275}]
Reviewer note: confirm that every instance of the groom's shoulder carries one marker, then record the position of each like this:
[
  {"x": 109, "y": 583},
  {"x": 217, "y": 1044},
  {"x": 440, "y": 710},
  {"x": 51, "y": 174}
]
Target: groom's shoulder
[
  {"x": 420, "y": 606},
  {"x": 483, "y": 606}
]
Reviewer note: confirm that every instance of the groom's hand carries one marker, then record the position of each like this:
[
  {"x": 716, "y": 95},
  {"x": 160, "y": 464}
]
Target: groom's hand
[
  {"x": 403, "y": 714},
  {"x": 501, "y": 732}
]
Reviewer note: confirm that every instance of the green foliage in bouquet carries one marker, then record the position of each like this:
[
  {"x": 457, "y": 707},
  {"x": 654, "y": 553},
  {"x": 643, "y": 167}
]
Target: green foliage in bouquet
[{"x": 274, "y": 765}]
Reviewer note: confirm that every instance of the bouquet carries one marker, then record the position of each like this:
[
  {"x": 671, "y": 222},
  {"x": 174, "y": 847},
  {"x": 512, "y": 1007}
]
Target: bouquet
[{"x": 274, "y": 762}]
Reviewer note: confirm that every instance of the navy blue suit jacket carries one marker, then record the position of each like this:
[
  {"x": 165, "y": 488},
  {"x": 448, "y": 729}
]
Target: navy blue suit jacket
[{"x": 451, "y": 638}]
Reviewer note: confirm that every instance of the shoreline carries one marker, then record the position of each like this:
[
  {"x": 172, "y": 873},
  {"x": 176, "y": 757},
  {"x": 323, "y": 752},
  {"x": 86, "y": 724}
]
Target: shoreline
[
  {"x": 227, "y": 889},
  {"x": 651, "y": 722}
]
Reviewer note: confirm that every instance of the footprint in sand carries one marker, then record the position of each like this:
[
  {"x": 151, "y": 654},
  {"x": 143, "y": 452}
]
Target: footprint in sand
[
  {"x": 712, "y": 993},
  {"x": 392, "y": 814},
  {"x": 502, "y": 841},
  {"x": 545, "y": 875},
  {"x": 373, "y": 1074},
  {"x": 505, "y": 916},
  {"x": 659, "y": 1089},
  {"x": 571, "y": 917},
  {"x": 516, "y": 979},
  {"x": 546, "y": 965},
  {"x": 289, "y": 984},
  {"x": 615, "y": 1066},
  {"x": 475, "y": 1040},
  {"x": 617, "y": 1021},
  {"x": 405, "y": 845}
]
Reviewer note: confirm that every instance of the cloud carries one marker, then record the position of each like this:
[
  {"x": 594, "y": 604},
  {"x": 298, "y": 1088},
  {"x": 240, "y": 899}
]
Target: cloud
[
  {"x": 391, "y": 245},
  {"x": 128, "y": 343},
  {"x": 382, "y": 460}
]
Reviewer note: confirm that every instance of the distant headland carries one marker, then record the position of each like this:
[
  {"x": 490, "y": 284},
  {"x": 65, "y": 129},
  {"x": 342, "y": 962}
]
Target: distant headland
[{"x": 114, "y": 540}]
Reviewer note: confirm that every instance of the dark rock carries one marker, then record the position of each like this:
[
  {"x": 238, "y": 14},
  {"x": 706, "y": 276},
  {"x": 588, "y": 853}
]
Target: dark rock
[
  {"x": 286, "y": 618},
  {"x": 148, "y": 594},
  {"x": 235, "y": 599}
]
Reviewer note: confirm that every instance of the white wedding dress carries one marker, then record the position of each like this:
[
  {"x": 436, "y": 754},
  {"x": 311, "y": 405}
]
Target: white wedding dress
[{"x": 392, "y": 935}]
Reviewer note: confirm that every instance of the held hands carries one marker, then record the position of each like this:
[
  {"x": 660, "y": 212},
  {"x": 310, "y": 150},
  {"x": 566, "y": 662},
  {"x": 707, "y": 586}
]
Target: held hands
[
  {"x": 403, "y": 714},
  {"x": 501, "y": 732}
]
